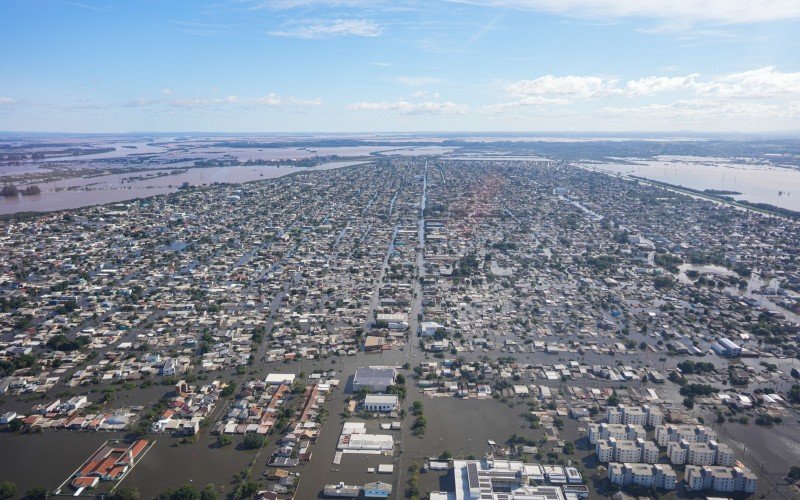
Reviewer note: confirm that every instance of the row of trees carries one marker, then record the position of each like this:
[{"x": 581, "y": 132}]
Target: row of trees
[{"x": 10, "y": 190}]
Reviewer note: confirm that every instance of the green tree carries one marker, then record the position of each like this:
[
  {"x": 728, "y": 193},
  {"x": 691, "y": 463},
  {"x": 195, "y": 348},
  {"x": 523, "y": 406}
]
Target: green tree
[
  {"x": 187, "y": 492},
  {"x": 254, "y": 441},
  {"x": 7, "y": 489},
  {"x": 37, "y": 493},
  {"x": 209, "y": 493},
  {"x": 125, "y": 493}
]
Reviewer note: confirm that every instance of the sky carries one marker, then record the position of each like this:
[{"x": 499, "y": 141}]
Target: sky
[{"x": 401, "y": 65}]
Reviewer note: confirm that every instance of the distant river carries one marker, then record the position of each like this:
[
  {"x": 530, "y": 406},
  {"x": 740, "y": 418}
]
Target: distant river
[
  {"x": 82, "y": 192},
  {"x": 758, "y": 183}
]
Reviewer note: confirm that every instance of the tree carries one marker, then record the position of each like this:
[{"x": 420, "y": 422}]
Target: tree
[
  {"x": 125, "y": 493},
  {"x": 248, "y": 489},
  {"x": 794, "y": 393},
  {"x": 223, "y": 440},
  {"x": 253, "y": 441},
  {"x": 209, "y": 492},
  {"x": 187, "y": 492},
  {"x": 613, "y": 399},
  {"x": 37, "y": 493},
  {"x": 417, "y": 407},
  {"x": 664, "y": 282},
  {"x": 7, "y": 489}
]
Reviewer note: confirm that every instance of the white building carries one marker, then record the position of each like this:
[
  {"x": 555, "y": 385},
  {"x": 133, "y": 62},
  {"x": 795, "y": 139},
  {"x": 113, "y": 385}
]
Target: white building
[
  {"x": 512, "y": 480},
  {"x": 374, "y": 378},
  {"x": 726, "y": 347},
  {"x": 648, "y": 475},
  {"x": 666, "y": 434},
  {"x": 623, "y": 450},
  {"x": 354, "y": 437},
  {"x": 382, "y": 403},
  {"x": 280, "y": 378},
  {"x": 619, "y": 431},
  {"x": 720, "y": 478},
  {"x": 711, "y": 453},
  {"x": 428, "y": 328},
  {"x": 635, "y": 415}
]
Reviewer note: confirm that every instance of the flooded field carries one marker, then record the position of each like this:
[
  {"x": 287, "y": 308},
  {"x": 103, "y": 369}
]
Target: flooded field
[
  {"x": 757, "y": 183},
  {"x": 82, "y": 191}
]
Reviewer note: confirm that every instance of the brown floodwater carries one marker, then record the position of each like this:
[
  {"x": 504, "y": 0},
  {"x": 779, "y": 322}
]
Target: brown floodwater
[{"x": 82, "y": 191}]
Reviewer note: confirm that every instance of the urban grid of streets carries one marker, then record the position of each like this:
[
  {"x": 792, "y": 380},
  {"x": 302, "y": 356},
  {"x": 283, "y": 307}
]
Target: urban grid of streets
[{"x": 525, "y": 266}]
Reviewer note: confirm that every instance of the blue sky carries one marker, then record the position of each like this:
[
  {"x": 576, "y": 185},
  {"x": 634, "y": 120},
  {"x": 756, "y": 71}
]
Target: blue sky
[{"x": 404, "y": 65}]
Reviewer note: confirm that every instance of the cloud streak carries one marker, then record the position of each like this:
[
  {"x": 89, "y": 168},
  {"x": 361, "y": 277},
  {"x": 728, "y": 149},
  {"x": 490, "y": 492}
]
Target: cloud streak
[
  {"x": 759, "y": 83},
  {"x": 413, "y": 108},
  {"x": 677, "y": 13},
  {"x": 328, "y": 29}
]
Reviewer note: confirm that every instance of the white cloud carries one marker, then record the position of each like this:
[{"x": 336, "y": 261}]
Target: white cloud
[
  {"x": 579, "y": 87},
  {"x": 674, "y": 12},
  {"x": 757, "y": 83},
  {"x": 650, "y": 85},
  {"x": 6, "y": 101},
  {"x": 270, "y": 100},
  {"x": 166, "y": 91},
  {"x": 337, "y": 27},
  {"x": 413, "y": 108},
  {"x": 524, "y": 102},
  {"x": 425, "y": 94},
  {"x": 141, "y": 102}
]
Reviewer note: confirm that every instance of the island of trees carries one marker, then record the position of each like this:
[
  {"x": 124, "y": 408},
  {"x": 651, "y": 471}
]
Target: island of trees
[{"x": 10, "y": 190}]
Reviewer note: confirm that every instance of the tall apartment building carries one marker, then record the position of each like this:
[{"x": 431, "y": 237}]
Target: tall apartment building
[
  {"x": 647, "y": 475},
  {"x": 666, "y": 434},
  {"x": 604, "y": 431},
  {"x": 624, "y": 450},
  {"x": 635, "y": 415},
  {"x": 720, "y": 478},
  {"x": 711, "y": 453}
]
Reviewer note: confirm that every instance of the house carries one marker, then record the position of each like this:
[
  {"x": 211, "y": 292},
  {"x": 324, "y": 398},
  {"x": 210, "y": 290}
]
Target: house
[{"x": 170, "y": 367}]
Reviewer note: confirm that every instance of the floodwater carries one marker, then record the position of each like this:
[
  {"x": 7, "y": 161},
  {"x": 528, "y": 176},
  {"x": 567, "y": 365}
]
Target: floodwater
[
  {"x": 86, "y": 191},
  {"x": 758, "y": 183}
]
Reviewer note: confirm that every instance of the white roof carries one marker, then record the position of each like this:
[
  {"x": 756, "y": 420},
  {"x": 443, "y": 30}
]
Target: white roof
[{"x": 280, "y": 378}]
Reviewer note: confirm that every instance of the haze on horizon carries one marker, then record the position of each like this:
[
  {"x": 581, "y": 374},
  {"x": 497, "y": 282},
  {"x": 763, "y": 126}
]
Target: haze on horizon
[{"x": 358, "y": 65}]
